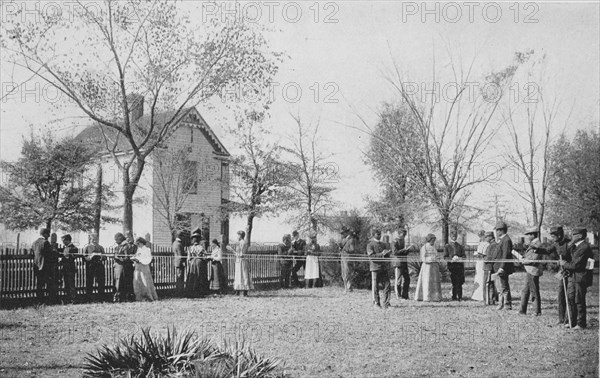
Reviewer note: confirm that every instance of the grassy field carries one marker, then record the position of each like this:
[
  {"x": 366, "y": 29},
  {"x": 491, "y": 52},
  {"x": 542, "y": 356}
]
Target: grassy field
[{"x": 322, "y": 333}]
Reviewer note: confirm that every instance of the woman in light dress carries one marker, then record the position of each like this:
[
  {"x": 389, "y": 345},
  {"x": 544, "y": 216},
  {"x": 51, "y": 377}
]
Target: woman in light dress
[
  {"x": 429, "y": 284},
  {"x": 312, "y": 270},
  {"x": 216, "y": 275},
  {"x": 143, "y": 286},
  {"x": 479, "y": 289},
  {"x": 242, "y": 281}
]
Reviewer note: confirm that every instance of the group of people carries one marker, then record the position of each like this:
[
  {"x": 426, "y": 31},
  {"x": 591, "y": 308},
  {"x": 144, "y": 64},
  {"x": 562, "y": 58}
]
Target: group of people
[
  {"x": 496, "y": 260},
  {"x": 132, "y": 278},
  {"x": 294, "y": 254}
]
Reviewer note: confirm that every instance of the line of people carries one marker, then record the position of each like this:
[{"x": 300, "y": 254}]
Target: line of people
[{"x": 492, "y": 271}]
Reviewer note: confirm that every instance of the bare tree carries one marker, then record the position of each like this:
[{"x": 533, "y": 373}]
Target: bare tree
[
  {"x": 450, "y": 139},
  {"x": 311, "y": 176},
  {"x": 108, "y": 58},
  {"x": 258, "y": 174},
  {"x": 530, "y": 126}
]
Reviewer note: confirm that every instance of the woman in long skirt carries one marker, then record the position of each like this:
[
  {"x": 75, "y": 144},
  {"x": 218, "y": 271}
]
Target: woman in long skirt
[
  {"x": 311, "y": 272},
  {"x": 479, "y": 289},
  {"x": 242, "y": 281},
  {"x": 216, "y": 273},
  {"x": 197, "y": 279},
  {"x": 143, "y": 286},
  {"x": 429, "y": 284}
]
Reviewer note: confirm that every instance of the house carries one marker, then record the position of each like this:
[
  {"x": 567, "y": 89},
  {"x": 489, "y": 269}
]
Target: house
[{"x": 192, "y": 193}]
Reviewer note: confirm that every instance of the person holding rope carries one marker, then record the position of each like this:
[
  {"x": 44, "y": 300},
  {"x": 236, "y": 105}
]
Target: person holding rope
[
  {"x": 491, "y": 294},
  {"x": 285, "y": 261},
  {"x": 580, "y": 278},
  {"x": 429, "y": 284},
  {"x": 560, "y": 250},
  {"x": 312, "y": 271},
  {"x": 377, "y": 249},
  {"x": 93, "y": 254},
  {"x": 218, "y": 283},
  {"x": 348, "y": 246},
  {"x": 123, "y": 266},
  {"x": 455, "y": 251},
  {"x": 179, "y": 262},
  {"x": 242, "y": 281},
  {"x": 197, "y": 278},
  {"x": 69, "y": 268},
  {"x": 479, "y": 287},
  {"x": 400, "y": 253},
  {"x": 534, "y": 271},
  {"x": 44, "y": 267},
  {"x": 503, "y": 269},
  {"x": 299, "y": 252},
  {"x": 143, "y": 286}
]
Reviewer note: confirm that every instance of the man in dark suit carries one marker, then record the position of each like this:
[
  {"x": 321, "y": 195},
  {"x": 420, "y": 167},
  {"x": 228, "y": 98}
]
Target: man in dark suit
[
  {"x": 44, "y": 268},
  {"x": 69, "y": 268},
  {"x": 454, "y": 251},
  {"x": 123, "y": 269},
  {"x": 93, "y": 254},
  {"x": 560, "y": 250},
  {"x": 401, "y": 265},
  {"x": 377, "y": 249},
  {"x": 503, "y": 269},
  {"x": 285, "y": 262},
  {"x": 299, "y": 251},
  {"x": 581, "y": 278},
  {"x": 179, "y": 261}
]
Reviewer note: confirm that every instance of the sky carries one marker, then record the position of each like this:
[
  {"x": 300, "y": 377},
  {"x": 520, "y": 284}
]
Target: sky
[{"x": 339, "y": 54}]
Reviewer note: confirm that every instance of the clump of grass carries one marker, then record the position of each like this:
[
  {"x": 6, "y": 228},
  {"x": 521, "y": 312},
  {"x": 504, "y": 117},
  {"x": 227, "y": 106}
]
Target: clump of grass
[{"x": 151, "y": 354}]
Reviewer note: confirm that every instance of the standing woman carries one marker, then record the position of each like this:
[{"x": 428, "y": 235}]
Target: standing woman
[
  {"x": 197, "y": 279},
  {"x": 429, "y": 284},
  {"x": 242, "y": 282},
  {"x": 479, "y": 288},
  {"x": 311, "y": 271},
  {"x": 143, "y": 287},
  {"x": 216, "y": 273}
]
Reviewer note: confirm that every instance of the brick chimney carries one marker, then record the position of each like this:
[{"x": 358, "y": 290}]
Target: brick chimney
[{"x": 136, "y": 106}]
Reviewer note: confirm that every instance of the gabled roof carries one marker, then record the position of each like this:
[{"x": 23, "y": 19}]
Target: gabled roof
[{"x": 92, "y": 135}]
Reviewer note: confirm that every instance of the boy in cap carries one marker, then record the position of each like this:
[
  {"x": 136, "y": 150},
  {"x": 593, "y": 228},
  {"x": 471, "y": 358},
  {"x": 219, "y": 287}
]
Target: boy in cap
[
  {"x": 581, "y": 278},
  {"x": 560, "y": 250},
  {"x": 69, "y": 268},
  {"x": 534, "y": 271},
  {"x": 503, "y": 269}
]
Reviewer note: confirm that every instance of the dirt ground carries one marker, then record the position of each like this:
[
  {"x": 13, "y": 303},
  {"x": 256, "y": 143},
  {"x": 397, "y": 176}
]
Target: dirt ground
[{"x": 323, "y": 333}]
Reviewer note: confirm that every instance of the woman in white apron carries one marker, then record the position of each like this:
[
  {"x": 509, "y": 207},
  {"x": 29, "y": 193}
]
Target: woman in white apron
[
  {"x": 242, "y": 281},
  {"x": 312, "y": 271}
]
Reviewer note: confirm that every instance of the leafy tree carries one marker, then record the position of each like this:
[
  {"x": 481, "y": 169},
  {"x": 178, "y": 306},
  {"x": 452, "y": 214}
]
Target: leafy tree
[
  {"x": 107, "y": 59},
  {"x": 258, "y": 173},
  {"x": 48, "y": 186},
  {"x": 575, "y": 185}
]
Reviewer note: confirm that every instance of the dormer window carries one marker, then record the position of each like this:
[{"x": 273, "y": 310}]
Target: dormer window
[{"x": 191, "y": 135}]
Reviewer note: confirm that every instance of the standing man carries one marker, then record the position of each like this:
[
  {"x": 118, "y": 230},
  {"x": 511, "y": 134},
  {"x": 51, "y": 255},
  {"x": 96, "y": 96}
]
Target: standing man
[
  {"x": 534, "y": 271},
  {"x": 377, "y": 249},
  {"x": 560, "y": 251},
  {"x": 44, "y": 268},
  {"x": 285, "y": 261},
  {"x": 299, "y": 251},
  {"x": 455, "y": 251},
  {"x": 503, "y": 269},
  {"x": 123, "y": 269},
  {"x": 401, "y": 265},
  {"x": 348, "y": 246},
  {"x": 490, "y": 254},
  {"x": 93, "y": 254},
  {"x": 179, "y": 260},
  {"x": 581, "y": 278},
  {"x": 69, "y": 268}
]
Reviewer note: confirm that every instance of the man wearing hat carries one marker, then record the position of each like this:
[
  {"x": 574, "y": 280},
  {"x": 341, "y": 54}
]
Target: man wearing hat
[
  {"x": 285, "y": 261},
  {"x": 123, "y": 279},
  {"x": 581, "y": 278},
  {"x": 179, "y": 260},
  {"x": 488, "y": 268},
  {"x": 348, "y": 247},
  {"x": 69, "y": 267},
  {"x": 93, "y": 254},
  {"x": 534, "y": 271},
  {"x": 455, "y": 251},
  {"x": 503, "y": 269},
  {"x": 376, "y": 249},
  {"x": 560, "y": 250},
  {"x": 45, "y": 272},
  {"x": 299, "y": 252}
]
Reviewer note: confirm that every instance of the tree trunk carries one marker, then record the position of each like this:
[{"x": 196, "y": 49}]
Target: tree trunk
[
  {"x": 445, "y": 228},
  {"x": 313, "y": 224},
  {"x": 98, "y": 202},
  {"x": 49, "y": 224},
  {"x": 127, "y": 203},
  {"x": 248, "y": 239}
]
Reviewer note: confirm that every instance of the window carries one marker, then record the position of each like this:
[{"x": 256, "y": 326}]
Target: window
[
  {"x": 190, "y": 172},
  {"x": 224, "y": 180},
  {"x": 191, "y": 135}
]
